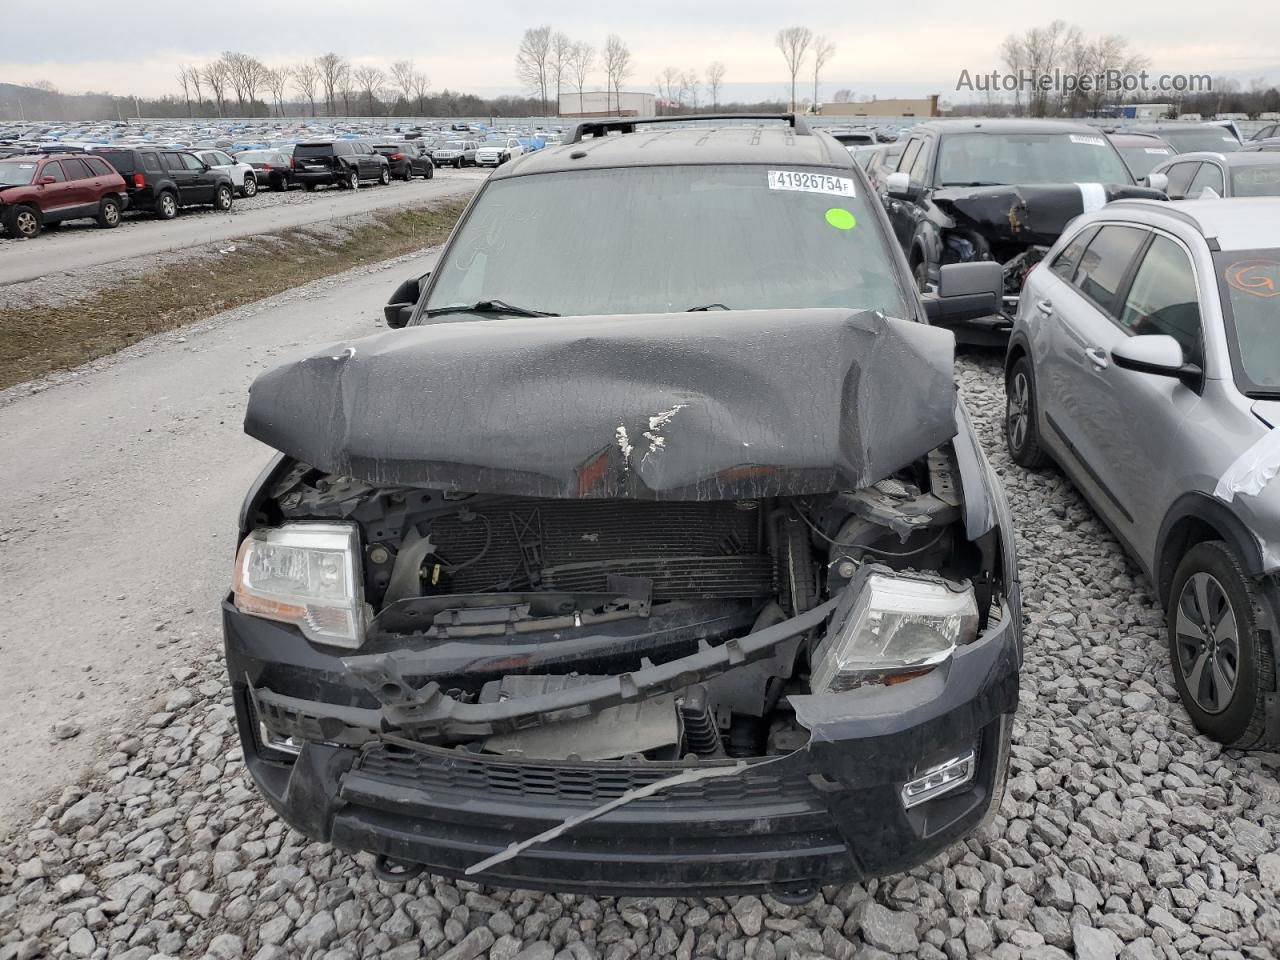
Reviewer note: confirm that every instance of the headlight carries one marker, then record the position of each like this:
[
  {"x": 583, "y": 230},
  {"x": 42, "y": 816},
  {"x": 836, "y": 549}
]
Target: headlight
[
  {"x": 897, "y": 623},
  {"x": 304, "y": 573}
]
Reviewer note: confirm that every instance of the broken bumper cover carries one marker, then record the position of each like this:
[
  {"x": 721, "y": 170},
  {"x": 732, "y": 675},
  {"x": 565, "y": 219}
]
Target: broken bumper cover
[{"x": 826, "y": 813}]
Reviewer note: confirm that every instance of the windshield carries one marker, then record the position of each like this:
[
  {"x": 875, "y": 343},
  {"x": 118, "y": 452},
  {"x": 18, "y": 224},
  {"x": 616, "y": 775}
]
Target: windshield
[
  {"x": 975, "y": 159},
  {"x": 304, "y": 150},
  {"x": 1249, "y": 281},
  {"x": 1141, "y": 160},
  {"x": 1256, "y": 180},
  {"x": 1217, "y": 139},
  {"x": 16, "y": 172},
  {"x": 670, "y": 239}
]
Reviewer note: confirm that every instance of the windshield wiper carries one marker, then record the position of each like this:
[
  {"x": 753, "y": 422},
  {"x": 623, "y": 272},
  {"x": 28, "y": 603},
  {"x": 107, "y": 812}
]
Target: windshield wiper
[
  {"x": 708, "y": 306},
  {"x": 489, "y": 306}
]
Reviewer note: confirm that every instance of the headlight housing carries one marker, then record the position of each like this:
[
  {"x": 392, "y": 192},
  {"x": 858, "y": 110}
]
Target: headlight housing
[
  {"x": 306, "y": 574},
  {"x": 897, "y": 623}
]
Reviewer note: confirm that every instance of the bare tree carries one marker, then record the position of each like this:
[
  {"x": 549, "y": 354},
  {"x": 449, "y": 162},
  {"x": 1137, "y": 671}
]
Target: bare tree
[
  {"x": 1111, "y": 52},
  {"x": 421, "y": 84},
  {"x": 715, "y": 80},
  {"x": 332, "y": 69},
  {"x": 306, "y": 79},
  {"x": 1013, "y": 53},
  {"x": 247, "y": 74},
  {"x": 669, "y": 88},
  {"x": 402, "y": 74},
  {"x": 277, "y": 81},
  {"x": 843, "y": 95},
  {"x": 581, "y": 63},
  {"x": 794, "y": 44},
  {"x": 371, "y": 80},
  {"x": 558, "y": 63},
  {"x": 215, "y": 75},
  {"x": 823, "y": 51},
  {"x": 691, "y": 83},
  {"x": 184, "y": 80},
  {"x": 617, "y": 67},
  {"x": 196, "y": 76},
  {"x": 532, "y": 61}
]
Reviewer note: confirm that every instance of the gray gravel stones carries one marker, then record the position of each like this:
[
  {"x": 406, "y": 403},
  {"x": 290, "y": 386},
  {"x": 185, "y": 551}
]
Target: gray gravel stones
[{"x": 1123, "y": 835}]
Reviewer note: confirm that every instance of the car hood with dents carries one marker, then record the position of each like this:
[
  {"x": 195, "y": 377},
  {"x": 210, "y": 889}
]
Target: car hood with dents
[
  {"x": 1031, "y": 214},
  {"x": 723, "y": 405}
]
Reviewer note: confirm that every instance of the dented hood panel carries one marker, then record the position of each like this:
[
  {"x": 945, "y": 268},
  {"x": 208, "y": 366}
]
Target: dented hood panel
[
  {"x": 721, "y": 405},
  {"x": 1030, "y": 214}
]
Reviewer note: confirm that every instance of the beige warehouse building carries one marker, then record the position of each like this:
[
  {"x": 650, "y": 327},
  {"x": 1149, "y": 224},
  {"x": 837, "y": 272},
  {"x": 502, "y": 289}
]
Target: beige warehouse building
[{"x": 926, "y": 107}]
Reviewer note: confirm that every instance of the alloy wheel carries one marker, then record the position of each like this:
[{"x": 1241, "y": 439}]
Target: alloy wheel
[
  {"x": 168, "y": 207},
  {"x": 26, "y": 224},
  {"x": 111, "y": 214},
  {"x": 250, "y": 186},
  {"x": 1207, "y": 636},
  {"x": 1017, "y": 411}
]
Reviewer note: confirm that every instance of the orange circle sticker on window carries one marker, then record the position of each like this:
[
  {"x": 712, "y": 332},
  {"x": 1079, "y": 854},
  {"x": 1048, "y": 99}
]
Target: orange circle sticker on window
[{"x": 1258, "y": 278}]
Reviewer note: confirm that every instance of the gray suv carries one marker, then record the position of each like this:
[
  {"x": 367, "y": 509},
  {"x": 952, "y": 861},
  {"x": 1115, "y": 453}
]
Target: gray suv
[{"x": 1144, "y": 362}]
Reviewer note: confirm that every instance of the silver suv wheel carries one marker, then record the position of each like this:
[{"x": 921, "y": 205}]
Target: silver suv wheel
[{"x": 1207, "y": 635}]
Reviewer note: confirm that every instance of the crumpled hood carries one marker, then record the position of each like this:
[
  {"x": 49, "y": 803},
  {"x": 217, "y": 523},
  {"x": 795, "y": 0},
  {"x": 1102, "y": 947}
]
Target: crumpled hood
[
  {"x": 1031, "y": 214},
  {"x": 717, "y": 405}
]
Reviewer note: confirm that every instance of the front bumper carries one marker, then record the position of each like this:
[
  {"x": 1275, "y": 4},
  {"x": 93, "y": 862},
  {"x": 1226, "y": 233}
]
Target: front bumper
[{"x": 826, "y": 813}]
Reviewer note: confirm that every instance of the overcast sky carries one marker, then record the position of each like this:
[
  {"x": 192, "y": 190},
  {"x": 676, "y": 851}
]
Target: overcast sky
[{"x": 884, "y": 49}]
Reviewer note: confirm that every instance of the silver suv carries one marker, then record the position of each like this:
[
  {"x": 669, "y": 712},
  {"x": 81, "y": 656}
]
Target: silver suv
[{"x": 1145, "y": 362}]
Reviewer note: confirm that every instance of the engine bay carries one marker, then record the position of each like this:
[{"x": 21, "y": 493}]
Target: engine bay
[{"x": 497, "y": 600}]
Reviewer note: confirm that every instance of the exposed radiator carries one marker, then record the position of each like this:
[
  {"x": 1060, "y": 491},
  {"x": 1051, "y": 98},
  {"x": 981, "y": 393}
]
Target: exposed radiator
[{"x": 688, "y": 550}]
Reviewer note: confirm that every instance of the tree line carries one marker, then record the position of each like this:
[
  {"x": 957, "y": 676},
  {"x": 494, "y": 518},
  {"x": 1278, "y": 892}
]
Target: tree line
[{"x": 549, "y": 60}]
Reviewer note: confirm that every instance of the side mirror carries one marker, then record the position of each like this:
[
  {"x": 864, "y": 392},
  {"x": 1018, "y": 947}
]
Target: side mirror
[
  {"x": 898, "y": 186},
  {"x": 400, "y": 307},
  {"x": 1158, "y": 181},
  {"x": 966, "y": 291},
  {"x": 1159, "y": 354}
]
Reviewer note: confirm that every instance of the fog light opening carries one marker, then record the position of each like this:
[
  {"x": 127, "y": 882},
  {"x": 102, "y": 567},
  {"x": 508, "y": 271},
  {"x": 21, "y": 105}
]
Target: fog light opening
[
  {"x": 273, "y": 741},
  {"x": 941, "y": 779}
]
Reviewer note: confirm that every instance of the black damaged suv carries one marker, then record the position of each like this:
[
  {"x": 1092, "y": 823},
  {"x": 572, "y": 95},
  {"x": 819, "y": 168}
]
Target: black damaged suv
[{"x": 653, "y": 553}]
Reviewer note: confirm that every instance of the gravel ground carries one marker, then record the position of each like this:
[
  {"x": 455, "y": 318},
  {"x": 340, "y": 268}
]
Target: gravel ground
[{"x": 1122, "y": 833}]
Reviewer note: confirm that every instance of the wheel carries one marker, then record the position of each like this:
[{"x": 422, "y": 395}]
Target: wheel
[
  {"x": 457, "y": 164},
  {"x": 1222, "y": 668},
  {"x": 166, "y": 205},
  {"x": 431, "y": 171},
  {"x": 279, "y": 184},
  {"x": 384, "y": 177},
  {"x": 1021, "y": 433},
  {"x": 223, "y": 198},
  {"x": 109, "y": 212},
  {"x": 408, "y": 174},
  {"x": 250, "y": 187},
  {"x": 22, "y": 222},
  {"x": 310, "y": 187},
  {"x": 353, "y": 180}
]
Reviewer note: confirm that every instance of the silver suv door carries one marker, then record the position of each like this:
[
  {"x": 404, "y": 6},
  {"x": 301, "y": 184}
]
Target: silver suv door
[{"x": 1081, "y": 405}]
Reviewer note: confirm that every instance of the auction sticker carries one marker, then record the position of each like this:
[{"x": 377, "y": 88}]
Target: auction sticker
[
  {"x": 1158, "y": 151},
  {"x": 1091, "y": 141},
  {"x": 810, "y": 182}
]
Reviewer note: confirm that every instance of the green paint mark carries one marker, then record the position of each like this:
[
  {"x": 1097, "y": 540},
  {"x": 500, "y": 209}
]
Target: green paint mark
[{"x": 841, "y": 219}]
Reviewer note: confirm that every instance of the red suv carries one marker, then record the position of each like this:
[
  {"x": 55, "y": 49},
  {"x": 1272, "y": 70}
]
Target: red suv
[{"x": 36, "y": 190}]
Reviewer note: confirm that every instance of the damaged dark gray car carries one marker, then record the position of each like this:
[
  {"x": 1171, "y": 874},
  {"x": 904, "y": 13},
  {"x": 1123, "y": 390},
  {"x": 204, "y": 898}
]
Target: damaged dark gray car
[{"x": 655, "y": 553}]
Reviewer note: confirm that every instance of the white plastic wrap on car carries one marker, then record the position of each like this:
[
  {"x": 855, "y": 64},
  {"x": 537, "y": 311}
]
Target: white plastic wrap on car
[{"x": 1252, "y": 470}]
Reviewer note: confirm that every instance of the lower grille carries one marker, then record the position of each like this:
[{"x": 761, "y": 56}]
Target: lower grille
[{"x": 585, "y": 784}]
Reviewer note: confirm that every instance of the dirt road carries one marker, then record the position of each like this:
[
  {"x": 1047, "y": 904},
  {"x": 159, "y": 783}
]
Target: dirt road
[
  {"x": 79, "y": 245},
  {"x": 118, "y": 514}
]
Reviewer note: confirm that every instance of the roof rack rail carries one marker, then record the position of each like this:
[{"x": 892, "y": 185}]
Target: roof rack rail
[{"x": 602, "y": 128}]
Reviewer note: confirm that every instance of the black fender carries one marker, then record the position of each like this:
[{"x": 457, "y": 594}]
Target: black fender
[
  {"x": 926, "y": 245},
  {"x": 1203, "y": 510}
]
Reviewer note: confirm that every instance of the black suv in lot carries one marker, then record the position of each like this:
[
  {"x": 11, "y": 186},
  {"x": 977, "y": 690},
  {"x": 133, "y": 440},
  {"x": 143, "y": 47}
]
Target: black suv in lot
[
  {"x": 342, "y": 163},
  {"x": 408, "y": 159},
  {"x": 692, "y": 578},
  {"x": 164, "y": 181}
]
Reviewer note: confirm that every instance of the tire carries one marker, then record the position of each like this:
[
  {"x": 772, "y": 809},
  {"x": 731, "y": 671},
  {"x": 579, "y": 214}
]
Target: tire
[
  {"x": 384, "y": 177},
  {"x": 22, "y": 222},
  {"x": 279, "y": 185},
  {"x": 1021, "y": 433},
  {"x": 250, "y": 187},
  {"x": 457, "y": 164},
  {"x": 223, "y": 197},
  {"x": 109, "y": 213},
  {"x": 408, "y": 174},
  {"x": 431, "y": 171},
  {"x": 166, "y": 205},
  {"x": 1225, "y": 681},
  {"x": 353, "y": 180},
  {"x": 309, "y": 187}
]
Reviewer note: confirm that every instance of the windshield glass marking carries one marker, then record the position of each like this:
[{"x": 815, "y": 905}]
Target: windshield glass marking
[
  {"x": 1027, "y": 158},
  {"x": 810, "y": 182},
  {"x": 1251, "y": 302}
]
